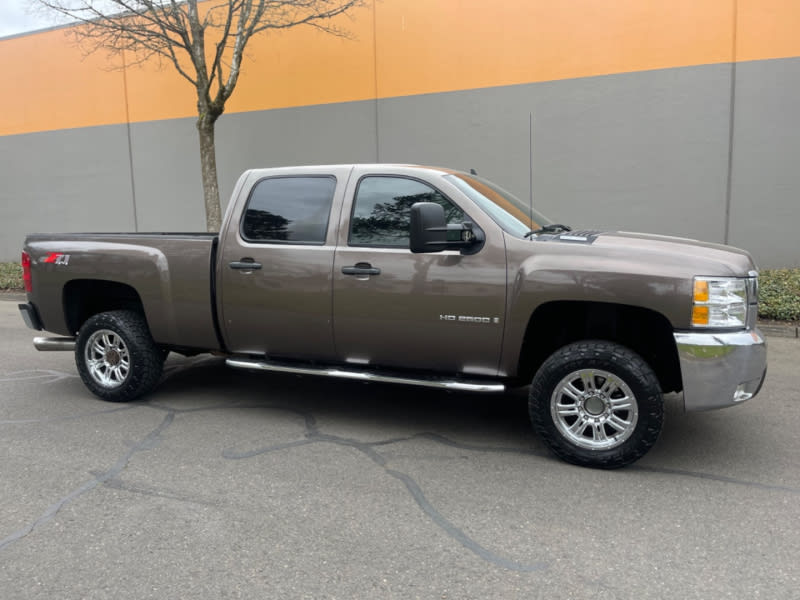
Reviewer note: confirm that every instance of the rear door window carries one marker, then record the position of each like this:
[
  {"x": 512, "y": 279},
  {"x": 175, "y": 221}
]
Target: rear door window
[{"x": 289, "y": 210}]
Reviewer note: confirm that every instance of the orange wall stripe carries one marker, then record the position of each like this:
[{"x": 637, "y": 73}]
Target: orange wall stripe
[
  {"x": 50, "y": 84},
  {"x": 293, "y": 68},
  {"x": 438, "y": 46},
  {"x": 767, "y": 29},
  {"x": 415, "y": 46}
]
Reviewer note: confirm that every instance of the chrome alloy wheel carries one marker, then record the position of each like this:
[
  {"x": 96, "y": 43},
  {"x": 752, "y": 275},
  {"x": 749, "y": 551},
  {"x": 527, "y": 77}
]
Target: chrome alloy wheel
[
  {"x": 594, "y": 409},
  {"x": 107, "y": 358}
]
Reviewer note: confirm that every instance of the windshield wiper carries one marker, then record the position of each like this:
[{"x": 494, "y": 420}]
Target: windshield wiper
[{"x": 554, "y": 228}]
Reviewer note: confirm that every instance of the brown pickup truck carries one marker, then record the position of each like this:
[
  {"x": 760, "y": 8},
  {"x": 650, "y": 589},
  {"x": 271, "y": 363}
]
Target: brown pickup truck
[{"x": 418, "y": 276}]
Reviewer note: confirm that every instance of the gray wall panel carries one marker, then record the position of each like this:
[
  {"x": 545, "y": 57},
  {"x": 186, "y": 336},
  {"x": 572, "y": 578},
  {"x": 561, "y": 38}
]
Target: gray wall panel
[
  {"x": 324, "y": 134},
  {"x": 166, "y": 167},
  {"x": 765, "y": 199},
  {"x": 166, "y": 156},
  {"x": 483, "y": 129},
  {"x": 70, "y": 180},
  {"x": 640, "y": 151}
]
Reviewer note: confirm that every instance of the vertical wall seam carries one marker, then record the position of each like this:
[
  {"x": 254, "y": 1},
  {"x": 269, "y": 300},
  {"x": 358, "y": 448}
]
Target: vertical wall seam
[
  {"x": 375, "y": 77},
  {"x": 731, "y": 124},
  {"x": 130, "y": 143}
]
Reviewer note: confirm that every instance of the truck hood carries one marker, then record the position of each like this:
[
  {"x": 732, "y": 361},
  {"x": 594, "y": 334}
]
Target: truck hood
[
  {"x": 703, "y": 258},
  {"x": 654, "y": 254},
  {"x": 636, "y": 269}
]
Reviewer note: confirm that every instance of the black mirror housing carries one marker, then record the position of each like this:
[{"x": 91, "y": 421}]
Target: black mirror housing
[
  {"x": 428, "y": 228},
  {"x": 430, "y": 232}
]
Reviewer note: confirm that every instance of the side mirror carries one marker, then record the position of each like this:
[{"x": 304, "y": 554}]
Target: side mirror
[
  {"x": 428, "y": 227},
  {"x": 431, "y": 233}
]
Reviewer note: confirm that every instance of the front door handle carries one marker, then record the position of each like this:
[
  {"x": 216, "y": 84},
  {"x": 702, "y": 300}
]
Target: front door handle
[
  {"x": 361, "y": 268},
  {"x": 246, "y": 264}
]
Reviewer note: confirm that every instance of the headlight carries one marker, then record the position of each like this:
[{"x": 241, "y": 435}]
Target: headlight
[{"x": 719, "y": 302}]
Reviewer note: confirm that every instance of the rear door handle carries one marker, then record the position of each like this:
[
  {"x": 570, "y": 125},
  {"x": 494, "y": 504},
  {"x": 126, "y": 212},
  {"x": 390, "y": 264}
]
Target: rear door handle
[
  {"x": 246, "y": 264},
  {"x": 361, "y": 269}
]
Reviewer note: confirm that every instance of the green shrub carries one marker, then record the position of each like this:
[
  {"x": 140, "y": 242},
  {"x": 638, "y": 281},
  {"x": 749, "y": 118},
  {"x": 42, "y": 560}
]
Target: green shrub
[
  {"x": 11, "y": 277},
  {"x": 779, "y": 294}
]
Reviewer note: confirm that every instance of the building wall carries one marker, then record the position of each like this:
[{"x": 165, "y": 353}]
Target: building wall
[{"x": 676, "y": 118}]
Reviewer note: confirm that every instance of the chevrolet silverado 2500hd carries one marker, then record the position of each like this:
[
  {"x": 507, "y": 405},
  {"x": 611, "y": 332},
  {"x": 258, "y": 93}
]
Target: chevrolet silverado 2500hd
[{"x": 418, "y": 276}]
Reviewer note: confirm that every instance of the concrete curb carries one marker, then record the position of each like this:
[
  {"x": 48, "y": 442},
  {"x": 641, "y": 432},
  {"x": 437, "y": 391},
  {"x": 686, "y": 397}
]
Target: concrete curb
[
  {"x": 778, "y": 330},
  {"x": 13, "y": 296}
]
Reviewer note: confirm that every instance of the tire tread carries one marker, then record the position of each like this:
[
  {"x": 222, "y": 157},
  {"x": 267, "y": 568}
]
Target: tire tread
[
  {"x": 613, "y": 357},
  {"x": 146, "y": 358}
]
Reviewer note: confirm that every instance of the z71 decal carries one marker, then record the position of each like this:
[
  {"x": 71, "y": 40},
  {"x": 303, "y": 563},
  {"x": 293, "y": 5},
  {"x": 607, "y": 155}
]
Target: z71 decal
[{"x": 57, "y": 259}]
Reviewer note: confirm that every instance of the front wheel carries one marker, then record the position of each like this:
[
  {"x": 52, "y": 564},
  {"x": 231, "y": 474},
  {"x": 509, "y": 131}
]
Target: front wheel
[
  {"x": 597, "y": 404},
  {"x": 116, "y": 357}
]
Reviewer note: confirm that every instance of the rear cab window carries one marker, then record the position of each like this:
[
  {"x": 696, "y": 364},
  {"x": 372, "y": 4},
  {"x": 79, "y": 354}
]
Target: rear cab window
[{"x": 289, "y": 210}]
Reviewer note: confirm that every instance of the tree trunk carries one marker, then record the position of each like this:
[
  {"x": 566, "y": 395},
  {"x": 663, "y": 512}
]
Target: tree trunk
[{"x": 208, "y": 167}]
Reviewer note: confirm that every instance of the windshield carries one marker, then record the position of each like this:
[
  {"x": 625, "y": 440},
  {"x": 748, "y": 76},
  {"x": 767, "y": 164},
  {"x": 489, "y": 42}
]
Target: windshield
[{"x": 504, "y": 208}]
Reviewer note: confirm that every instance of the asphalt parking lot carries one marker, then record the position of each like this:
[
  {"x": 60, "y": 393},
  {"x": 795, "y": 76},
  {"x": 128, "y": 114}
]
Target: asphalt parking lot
[{"x": 227, "y": 484}]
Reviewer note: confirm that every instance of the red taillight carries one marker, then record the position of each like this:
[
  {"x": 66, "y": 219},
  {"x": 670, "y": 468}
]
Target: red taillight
[{"x": 26, "y": 271}]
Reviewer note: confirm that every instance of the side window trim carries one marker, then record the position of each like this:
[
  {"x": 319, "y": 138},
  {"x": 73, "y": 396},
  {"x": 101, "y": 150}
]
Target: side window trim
[
  {"x": 390, "y": 176},
  {"x": 265, "y": 241}
]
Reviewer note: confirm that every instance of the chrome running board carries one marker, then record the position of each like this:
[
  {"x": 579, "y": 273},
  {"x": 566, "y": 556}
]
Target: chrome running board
[
  {"x": 47, "y": 344},
  {"x": 442, "y": 384}
]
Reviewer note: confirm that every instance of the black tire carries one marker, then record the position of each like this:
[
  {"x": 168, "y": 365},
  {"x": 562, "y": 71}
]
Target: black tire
[
  {"x": 116, "y": 357},
  {"x": 597, "y": 404}
]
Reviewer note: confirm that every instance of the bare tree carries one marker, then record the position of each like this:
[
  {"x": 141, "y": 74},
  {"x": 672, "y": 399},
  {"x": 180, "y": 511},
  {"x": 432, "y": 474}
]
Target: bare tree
[{"x": 204, "y": 42}]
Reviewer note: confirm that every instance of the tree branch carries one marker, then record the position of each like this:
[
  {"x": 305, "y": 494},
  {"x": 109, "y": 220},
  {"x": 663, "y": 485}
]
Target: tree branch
[{"x": 175, "y": 31}]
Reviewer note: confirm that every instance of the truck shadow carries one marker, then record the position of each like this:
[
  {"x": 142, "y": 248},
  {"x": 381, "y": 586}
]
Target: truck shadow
[
  {"x": 498, "y": 418},
  {"x": 375, "y": 420},
  {"x": 496, "y": 421},
  {"x": 369, "y": 419}
]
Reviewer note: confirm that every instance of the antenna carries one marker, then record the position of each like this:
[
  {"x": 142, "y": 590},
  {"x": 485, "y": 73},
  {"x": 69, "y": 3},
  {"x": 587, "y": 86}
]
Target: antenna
[{"x": 530, "y": 167}]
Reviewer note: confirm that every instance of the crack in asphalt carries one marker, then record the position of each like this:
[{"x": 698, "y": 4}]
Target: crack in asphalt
[
  {"x": 314, "y": 436},
  {"x": 145, "y": 443},
  {"x": 719, "y": 478}
]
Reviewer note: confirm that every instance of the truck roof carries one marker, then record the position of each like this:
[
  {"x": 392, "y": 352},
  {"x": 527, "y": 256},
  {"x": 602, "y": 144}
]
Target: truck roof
[{"x": 370, "y": 166}]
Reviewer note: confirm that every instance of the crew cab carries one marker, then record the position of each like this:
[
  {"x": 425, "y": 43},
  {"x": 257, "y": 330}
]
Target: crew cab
[{"x": 417, "y": 276}]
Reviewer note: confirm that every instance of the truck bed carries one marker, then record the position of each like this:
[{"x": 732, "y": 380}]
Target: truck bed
[{"x": 172, "y": 274}]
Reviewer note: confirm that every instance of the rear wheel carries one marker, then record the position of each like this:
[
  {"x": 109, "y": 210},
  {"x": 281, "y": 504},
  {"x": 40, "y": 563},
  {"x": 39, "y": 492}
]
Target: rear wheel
[
  {"x": 116, "y": 357},
  {"x": 597, "y": 404}
]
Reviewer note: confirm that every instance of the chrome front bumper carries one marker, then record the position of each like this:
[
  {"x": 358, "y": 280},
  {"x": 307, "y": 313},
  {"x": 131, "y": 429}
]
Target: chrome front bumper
[{"x": 721, "y": 369}]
